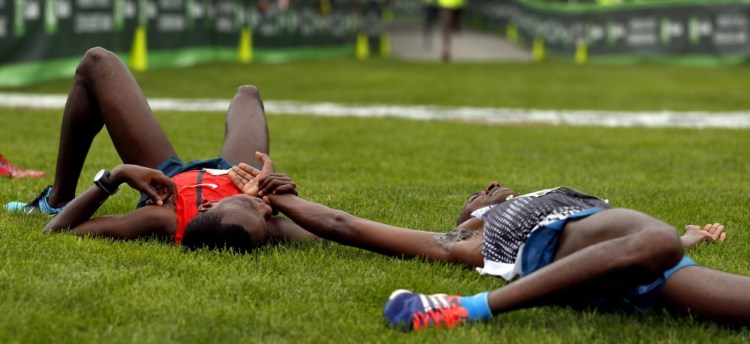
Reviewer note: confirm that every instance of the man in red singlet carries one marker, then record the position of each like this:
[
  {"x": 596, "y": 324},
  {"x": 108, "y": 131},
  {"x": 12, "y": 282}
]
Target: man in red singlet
[{"x": 105, "y": 94}]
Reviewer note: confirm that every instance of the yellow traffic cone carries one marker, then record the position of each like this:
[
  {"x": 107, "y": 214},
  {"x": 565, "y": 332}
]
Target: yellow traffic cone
[
  {"x": 363, "y": 46},
  {"x": 582, "y": 53},
  {"x": 537, "y": 49},
  {"x": 245, "y": 49},
  {"x": 139, "y": 51},
  {"x": 385, "y": 45}
]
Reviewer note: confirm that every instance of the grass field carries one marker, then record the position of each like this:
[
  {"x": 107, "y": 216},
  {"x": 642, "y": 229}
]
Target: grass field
[{"x": 60, "y": 288}]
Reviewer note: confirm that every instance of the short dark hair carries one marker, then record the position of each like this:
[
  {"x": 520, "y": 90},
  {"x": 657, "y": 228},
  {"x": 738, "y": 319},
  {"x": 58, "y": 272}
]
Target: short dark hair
[{"x": 207, "y": 231}]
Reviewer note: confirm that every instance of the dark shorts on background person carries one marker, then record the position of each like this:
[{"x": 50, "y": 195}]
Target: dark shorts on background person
[
  {"x": 174, "y": 166},
  {"x": 539, "y": 251}
]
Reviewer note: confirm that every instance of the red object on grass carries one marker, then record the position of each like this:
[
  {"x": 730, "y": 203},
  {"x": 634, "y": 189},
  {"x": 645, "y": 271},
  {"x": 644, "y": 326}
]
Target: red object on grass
[{"x": 8, "y": 169}]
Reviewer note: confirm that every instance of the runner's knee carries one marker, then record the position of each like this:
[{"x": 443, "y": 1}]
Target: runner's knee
[
  {"x": 655, "y": 248},
  {"x": 248, "y": 91},
  {"x": 91, "y": 59}
]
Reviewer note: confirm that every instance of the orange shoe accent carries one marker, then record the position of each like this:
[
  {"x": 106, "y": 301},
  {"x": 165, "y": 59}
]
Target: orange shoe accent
[{"x": 448, "y": 316}]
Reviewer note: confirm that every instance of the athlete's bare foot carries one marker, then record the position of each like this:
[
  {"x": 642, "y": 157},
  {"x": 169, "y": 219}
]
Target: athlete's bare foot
[{"x": 695, "y": 234}]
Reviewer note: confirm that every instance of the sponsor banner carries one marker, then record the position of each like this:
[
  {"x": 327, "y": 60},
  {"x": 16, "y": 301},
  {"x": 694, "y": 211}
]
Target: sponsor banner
[
  {"x": 316, "y": 24},
  {"x": 714, "y": 31},
  {"x": 38, "y": 34},
  {"x": 34, "y": 30}
]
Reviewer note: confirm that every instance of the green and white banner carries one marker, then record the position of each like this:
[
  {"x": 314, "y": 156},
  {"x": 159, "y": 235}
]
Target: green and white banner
[
  {"x": 708, "y": 32},
  {"x": 44, "y": 39}
]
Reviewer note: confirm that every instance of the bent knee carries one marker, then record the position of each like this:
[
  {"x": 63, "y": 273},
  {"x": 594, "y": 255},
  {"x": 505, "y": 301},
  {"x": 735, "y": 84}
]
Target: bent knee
[
  {"x": 656, "y": 248},
  {"x": 93, "y": 57},
  {"x": 248, "y": 90},
  {"x": 97, "y": 54}
]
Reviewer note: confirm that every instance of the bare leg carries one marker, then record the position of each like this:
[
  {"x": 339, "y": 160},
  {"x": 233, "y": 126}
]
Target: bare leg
[
  {"x": 597, "y": 256},
  {"x": 613, "y": 250},
  {"x": 709, "y": 294},
  {"x": 105, "y": 93},
  {"x": 246, "y": 128},
  {"x": 447, "y": 16}
]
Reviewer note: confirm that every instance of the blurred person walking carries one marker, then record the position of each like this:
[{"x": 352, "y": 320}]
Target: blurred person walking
[{"x": 450, "y": 15}]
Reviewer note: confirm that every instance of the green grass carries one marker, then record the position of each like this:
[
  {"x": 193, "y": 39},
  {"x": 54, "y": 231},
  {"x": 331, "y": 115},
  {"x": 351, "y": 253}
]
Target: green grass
[
  {"x": 514, "y": 85},
  {"x": 415, "y": 174}
]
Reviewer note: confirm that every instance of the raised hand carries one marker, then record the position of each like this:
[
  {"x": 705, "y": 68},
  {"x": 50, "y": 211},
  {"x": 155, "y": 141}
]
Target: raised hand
[
  {"x": 256, "y": 182},
  {"x": 245, "y": 176}
]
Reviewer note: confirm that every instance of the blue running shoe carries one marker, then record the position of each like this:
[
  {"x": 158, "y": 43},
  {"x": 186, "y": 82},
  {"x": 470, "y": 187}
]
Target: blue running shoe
[
  {"x": 40, "y": 204},
  {"x": 410, "y": 311}
]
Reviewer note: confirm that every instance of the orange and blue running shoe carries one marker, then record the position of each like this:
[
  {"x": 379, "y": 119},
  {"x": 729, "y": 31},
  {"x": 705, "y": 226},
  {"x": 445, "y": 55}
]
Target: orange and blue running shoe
[{"x": 410, "y": 311}]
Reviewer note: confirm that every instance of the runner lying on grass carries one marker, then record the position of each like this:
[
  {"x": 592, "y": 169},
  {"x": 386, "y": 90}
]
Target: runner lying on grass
[
  {"x": 105, "y": 94},
  {"x": 558, "y": 246}
]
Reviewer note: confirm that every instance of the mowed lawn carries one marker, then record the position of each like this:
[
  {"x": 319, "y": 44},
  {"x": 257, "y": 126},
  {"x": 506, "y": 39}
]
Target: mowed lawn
[{"x": 60, "y": 288}]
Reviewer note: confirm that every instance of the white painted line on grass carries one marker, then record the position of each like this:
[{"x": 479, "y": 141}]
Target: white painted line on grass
[{"x": 694, "y": 119}]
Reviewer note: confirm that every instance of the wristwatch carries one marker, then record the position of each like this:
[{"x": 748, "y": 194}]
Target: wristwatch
[{"x": 102, "y": 180}]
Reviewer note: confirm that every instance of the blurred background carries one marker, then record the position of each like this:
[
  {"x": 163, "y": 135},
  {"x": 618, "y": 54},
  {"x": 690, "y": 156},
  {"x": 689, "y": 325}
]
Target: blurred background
[{"x": 43, "y": 39}]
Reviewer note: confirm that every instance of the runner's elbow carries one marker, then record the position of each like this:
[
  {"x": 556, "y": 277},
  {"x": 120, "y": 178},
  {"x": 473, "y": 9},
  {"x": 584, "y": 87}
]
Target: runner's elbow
[{"x": 341, "y": 225}]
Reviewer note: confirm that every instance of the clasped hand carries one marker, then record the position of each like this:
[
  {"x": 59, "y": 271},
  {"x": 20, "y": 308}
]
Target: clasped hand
[
  {"x": 263, "y": 182},
  {"x": 153, "y": 183}
]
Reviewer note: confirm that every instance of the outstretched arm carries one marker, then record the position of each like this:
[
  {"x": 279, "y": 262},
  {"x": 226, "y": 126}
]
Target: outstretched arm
[
  {"x": 343, "y": 228},
  {"x": 461, "y": 246},
  {"x": 142, "y": 222}
]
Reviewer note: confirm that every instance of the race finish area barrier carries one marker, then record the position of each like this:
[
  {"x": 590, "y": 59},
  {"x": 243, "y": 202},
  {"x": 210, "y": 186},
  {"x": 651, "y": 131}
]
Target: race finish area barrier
[
  {"x": 694, "y": 32},
  {"x": 45, "y": 39}
]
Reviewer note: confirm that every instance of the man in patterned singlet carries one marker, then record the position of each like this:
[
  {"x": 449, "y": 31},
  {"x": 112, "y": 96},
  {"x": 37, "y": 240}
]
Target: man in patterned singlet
[
  {"x": 105, "y": 94},
  {"x": 559, "y": 246}
]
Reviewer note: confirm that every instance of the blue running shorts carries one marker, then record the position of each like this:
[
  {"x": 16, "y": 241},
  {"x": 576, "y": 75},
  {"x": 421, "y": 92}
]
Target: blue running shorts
[{"x": 539, "y": 251}]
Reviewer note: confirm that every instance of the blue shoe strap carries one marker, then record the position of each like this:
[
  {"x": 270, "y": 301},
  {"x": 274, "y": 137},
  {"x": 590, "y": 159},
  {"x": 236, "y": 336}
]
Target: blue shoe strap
[
  {"x": 477, "y": 306},
  {"x": 45, "y": 207}
]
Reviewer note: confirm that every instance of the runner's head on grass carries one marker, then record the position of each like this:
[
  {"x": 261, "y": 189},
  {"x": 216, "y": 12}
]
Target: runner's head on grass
[
  {"x": 494, "y": 193},
  {"x": 237, "y": 223}
]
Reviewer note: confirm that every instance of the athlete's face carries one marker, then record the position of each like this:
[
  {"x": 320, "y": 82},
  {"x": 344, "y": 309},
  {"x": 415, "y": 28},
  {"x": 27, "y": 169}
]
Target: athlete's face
[
  {"x": 494, "y": 193},
  {"x": 246, "y": 211}
]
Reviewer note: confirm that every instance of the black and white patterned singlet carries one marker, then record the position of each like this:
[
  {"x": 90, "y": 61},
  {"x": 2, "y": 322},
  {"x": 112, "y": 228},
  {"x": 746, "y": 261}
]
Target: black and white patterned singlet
[{"x": 508, "y": 225}]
